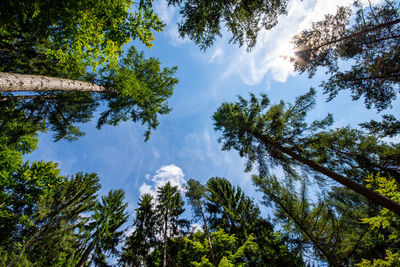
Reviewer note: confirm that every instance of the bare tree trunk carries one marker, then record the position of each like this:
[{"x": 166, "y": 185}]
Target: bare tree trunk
[
  {"x": 357, "y": 34},
  {"x": 208, "y": 235},
  {"x": 164, "y": 264},
  {"x": 86, "y": 255},
  {"x": 13, "y": 82},
  {"x": 362, "y": 190}
]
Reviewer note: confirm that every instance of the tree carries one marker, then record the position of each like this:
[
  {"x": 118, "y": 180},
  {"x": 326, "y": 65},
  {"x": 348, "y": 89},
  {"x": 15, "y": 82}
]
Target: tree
[
  {"x": 279, "y": 136},
  {"x": 38, "y": 39},
  {"x": 65, "y": 39},
  {"x": 196, "y": 193},
  {"x": 101, "y": 232},
  {"x": 169, "y": 207},
  {"x": 41, "y": 209},
  {"x": 202, "y": 20},
  {"x": 371, "y": 42},
  {"x": 139, "y": 244},
  {"x": 236, "y": 214},
  {"x": 137, "y": 90},
  {"x": 331, "y": 224}
]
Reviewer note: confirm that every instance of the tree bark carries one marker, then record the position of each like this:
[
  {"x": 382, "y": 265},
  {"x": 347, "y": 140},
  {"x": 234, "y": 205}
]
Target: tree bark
[
  {"x": 85, "y": 255},
  {"x": 208, "y": 235},
  {"x": 13, "y": 82},
  {"x": 164, "y": 264},
  {"x": 362, "y": 190}
]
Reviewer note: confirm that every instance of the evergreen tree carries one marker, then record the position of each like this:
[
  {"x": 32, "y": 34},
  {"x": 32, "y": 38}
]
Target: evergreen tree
[
  {"x": 331, "y": 225},
  {"x": 47, "y": 49},
  {"x": 202, "y": 20},
  {"x": 233, "y": 212},
  {"x": 279, "y": 136},
  {"x": 101, "y": 233},
  {"x": 371, "y": 42},
  {"x": 196, "y": 193},
  {"x": 143, "y": 238},
  {"x": 169, "y": 207},
  {"x": 41, "y": 211}
]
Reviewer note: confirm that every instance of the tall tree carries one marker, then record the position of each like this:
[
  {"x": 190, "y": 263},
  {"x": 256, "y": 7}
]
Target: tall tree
[
  {"x": 202, "y": 20},
  {"x": 136, "y": 89},
  {"x": 279, "y": 136},
  {"x": 331, "y": 224},
  {"x": 102, "y": 234},
  {"x": 42, "y": 209},
  {"x": 233, "y": 212},
  {"x": 47, "y": 49},
  {"x": 196, "y": 194},
  {"x": 169, "y": 208},
  {"x": 143, "y": 238},
  {"x": 371, "y": 42}
]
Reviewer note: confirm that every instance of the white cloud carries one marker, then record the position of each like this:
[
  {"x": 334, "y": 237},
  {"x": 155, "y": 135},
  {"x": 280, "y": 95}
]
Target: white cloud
[
  {"x": 217, "y": 55},
  {"x": 167, "y": 173},
  {"x": 196, "y": 227},
  {"x": 165, "y": 12}
]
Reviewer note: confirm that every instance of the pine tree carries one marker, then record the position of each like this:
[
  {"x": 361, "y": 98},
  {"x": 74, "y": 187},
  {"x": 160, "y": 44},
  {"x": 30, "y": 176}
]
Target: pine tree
[
  {"x": 279, "y": 136},
  {"x": 102, "y": 234},
  {"x": 169, "y": 207},
  {"x": 143, "y": 238},
  {"x": 196, "y": 194}
]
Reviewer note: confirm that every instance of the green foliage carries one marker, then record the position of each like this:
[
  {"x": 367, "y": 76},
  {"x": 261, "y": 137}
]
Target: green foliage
[
  {"x": 330, "y": 226},
  {"x": 65, "y": 38},
  {"x": 385, "y": 220},
  {"x": 143, "y": 88},
  {"x": 41, "y": 211},
  {"x": 195, "y": 193},
  {"x": 260, "y": 131},
  {"x": 232, "y": 211},
  {"x": 17, "y": 137},
  {"x": 138, "y": 245},
  {"x": 101, "y": 232},
  {"x": 227, "y": 248},
  {"x": 202, "y": 20}
]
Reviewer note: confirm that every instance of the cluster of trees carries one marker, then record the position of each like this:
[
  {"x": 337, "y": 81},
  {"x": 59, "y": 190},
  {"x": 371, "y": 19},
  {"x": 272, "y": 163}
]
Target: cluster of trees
[
  {"x": 60, "y": 62},
  {"x": 234, "y": 232}
]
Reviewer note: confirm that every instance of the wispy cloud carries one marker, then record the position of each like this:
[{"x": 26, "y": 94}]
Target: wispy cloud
[
  {"x": 167, "y": 173},
  {"x": 169, "y": 16}
]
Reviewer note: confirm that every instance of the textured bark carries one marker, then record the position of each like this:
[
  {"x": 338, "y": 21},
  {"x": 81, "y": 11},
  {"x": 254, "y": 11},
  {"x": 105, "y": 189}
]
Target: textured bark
[
  {"x": 362, "y": 190},
  {"x": 13, "y": 82}
]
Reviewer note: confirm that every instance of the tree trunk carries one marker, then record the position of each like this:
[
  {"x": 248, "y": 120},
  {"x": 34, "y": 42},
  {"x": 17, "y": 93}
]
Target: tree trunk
[
  {"x": 362, "y": 190},
  {"x": 164, "y": 263},
  {"x": 330, "y": 258},
  {"x": 85, "y": 255},
  {"x": 372, "y": 29},
  {"x": 208, "y": 235},
  {"x": 13, "y": 82}
]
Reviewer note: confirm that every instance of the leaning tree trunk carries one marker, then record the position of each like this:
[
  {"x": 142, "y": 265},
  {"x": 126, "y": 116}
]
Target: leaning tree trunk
[
  {"x": 208, "y": 235},
  {"x": 362, "y": 190},
  {"x": 351, "y": 36},
  {"x": 86, "y": 255},
  {"x": 13, "y": 82}
]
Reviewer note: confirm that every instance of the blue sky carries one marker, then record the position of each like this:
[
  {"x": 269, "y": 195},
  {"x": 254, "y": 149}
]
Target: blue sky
[{"x": 185, "y": 145}]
